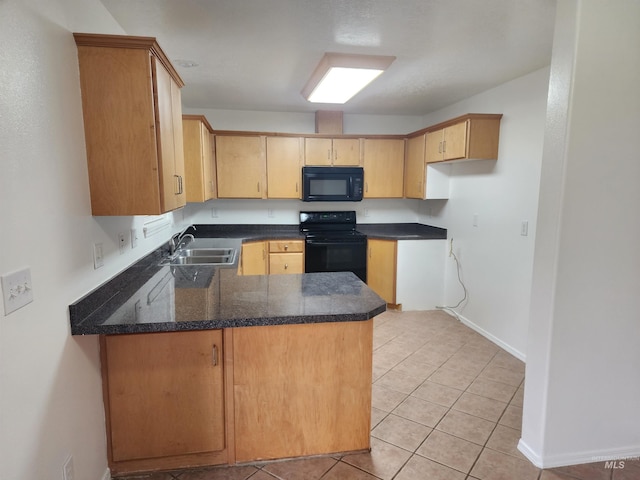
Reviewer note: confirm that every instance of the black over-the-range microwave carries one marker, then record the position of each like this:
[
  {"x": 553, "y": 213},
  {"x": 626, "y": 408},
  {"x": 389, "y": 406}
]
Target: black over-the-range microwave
[{"x": 332, "y": 184}]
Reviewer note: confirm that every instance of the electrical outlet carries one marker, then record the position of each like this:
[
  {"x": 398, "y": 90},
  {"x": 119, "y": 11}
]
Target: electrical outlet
[
  {"x": 475, "y": 219},
  {"x": 134, "y": 238},
  {"x": 214, "y": 212},
  {"x": 524, "y": 228},
  {"x": 366, "y": 212},
  {"x": 67, "y": 469},
  {"x": 17, "y": 290},
  {"x": 98, "y": 256},
  {"x": 122, "y": 242},
  {"x": 270, "y": 213}
]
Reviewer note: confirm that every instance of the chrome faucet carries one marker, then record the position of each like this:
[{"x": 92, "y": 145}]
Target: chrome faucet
[{"x": 176, "y": 240}]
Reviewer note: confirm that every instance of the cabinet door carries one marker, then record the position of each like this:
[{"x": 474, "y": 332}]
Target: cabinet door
[
  {"x": 209, "y": 161},
  {"x": 346, "y": 151},
  {"x": 284, "y": 163},
  {"x": 433, "y": 147},
  {"x": 199, "y": 164},
  {"x": 381, "y": 268},
  {"x": 254, "y": 258},
  {"x": 170, "y": 142},
  {"x": 240, "y": 164},
  {"x": 383, "y": 168},
  {"x": 317, "y": 151},
  {"x": 165, "y": 394},
  {"x": 414, "y": 168},
  {"x": 455, "y": 141}
]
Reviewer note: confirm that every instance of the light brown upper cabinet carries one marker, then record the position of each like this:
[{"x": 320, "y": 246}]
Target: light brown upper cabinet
[
  {"x": 473, "y": 136},
  {"x": 284, "y": 167},
  {"x": 199, "y": 160},
  {"x": 383, "y": 168},
  {"x": 332, "y": 151},
  {"x": 132, "y": 125},
  {"x": 241, "y": 166},
  {"x": 414, "y": 167},
  {"x": 423, "y": 180}
]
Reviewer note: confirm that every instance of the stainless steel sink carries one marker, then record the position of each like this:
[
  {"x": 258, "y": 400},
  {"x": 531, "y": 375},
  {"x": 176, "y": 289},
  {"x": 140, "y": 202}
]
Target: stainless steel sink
[{"x": 203, "y": 256}]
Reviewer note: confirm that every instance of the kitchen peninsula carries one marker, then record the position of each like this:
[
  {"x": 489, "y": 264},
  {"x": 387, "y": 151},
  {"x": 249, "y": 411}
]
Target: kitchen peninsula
[{"x": 204, "y": 367}]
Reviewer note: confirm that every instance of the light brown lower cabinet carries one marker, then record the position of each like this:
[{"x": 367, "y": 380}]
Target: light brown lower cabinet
[
  {"x": 185, "y": 399},
  {"x": 381, "y": 268},
  {"x": 253, "y": 258},
  {"x": 164, "y": 399},
  {"x": 272, "y": 257},
  {"x": 302, "y": 389},
  {"x": 286, "y": 256}
]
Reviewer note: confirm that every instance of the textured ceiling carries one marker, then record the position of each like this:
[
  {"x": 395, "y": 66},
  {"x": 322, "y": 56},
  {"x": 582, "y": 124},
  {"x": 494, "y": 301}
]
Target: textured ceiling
[{"x": 258, "y": 54}]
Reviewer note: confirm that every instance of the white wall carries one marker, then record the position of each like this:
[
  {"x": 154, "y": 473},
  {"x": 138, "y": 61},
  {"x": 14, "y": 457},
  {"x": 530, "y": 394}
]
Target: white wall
[
  {"x": 496, "y": 260},
  {"x": 286, "y": 212},
  {"x": 582, "y": 390},
  {"x": 290, "y": 122},
  {"x": 50, "y": 385}
]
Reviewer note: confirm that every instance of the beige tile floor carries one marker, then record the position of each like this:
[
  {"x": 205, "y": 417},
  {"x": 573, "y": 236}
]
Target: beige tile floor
[{"x": 447, "y": 405}]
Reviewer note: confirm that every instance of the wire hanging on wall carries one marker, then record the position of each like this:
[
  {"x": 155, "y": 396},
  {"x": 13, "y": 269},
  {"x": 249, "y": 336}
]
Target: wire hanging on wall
[{"x": 448, "y": 308}]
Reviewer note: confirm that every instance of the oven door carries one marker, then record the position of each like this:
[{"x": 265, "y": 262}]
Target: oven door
[{"x": 335, "y": 255}]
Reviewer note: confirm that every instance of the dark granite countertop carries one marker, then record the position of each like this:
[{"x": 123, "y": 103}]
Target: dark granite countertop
[
  {"x": 393, "y": 231},
  {"x": 248, "y": 232},
  {"x": 150, "y": 297},
  {"x": 402, "y": 231}
]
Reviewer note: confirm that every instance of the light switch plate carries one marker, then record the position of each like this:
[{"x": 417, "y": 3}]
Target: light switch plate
[{"x": 17, "y": 290}]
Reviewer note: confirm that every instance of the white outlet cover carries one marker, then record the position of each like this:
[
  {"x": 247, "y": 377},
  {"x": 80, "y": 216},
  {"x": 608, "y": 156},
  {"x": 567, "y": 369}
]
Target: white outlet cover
[{"x": 17, "y": 290}]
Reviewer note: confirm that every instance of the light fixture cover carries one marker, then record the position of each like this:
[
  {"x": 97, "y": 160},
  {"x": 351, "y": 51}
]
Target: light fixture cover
[{"x": 339, "y": 76}]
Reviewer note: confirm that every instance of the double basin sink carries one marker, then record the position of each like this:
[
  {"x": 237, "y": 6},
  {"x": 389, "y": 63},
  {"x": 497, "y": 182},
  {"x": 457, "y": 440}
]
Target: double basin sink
[{"x": 205, "y": 251}]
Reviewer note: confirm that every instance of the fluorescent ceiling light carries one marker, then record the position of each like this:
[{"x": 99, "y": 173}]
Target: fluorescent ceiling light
[{"x": 338, "y": 76}]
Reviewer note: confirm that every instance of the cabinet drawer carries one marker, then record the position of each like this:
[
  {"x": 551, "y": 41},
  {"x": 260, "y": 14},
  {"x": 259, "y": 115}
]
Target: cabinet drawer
[
  {"x": 286, "y": 263},
  {"x": 282, "y": 246}
]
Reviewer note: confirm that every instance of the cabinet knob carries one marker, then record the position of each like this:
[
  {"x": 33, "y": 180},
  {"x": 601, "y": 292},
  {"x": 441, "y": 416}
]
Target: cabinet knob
[
  {"x": 286, "y": 247},
  {"x": 286, "y": 265}
]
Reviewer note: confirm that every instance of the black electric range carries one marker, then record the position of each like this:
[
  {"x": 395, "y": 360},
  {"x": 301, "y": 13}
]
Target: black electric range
[{"x": 333, "y": 244}]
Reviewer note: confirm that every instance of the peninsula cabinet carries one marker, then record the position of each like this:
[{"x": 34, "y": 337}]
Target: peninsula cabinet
[
  {"x": 332, "y": 151},
  {"x": 302, "y": 390},
  {"x": 241, "y": 166},
  {"x": 160, "y": 416},
  {"x": 284, "y": 167},
  {"x": 132, "y": 124},
  {"x": 383, "y": 168},
  {"x": 200, "y": 173},
  {"x": 472, "y": 136}
]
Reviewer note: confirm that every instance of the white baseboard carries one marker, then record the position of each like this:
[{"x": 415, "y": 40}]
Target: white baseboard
[
  {"x": 106, "y": 475},
  {"x": 577, "y": 458},
  {"x": 516, "y": 353},
  {"x": 532, "y": 456}
]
